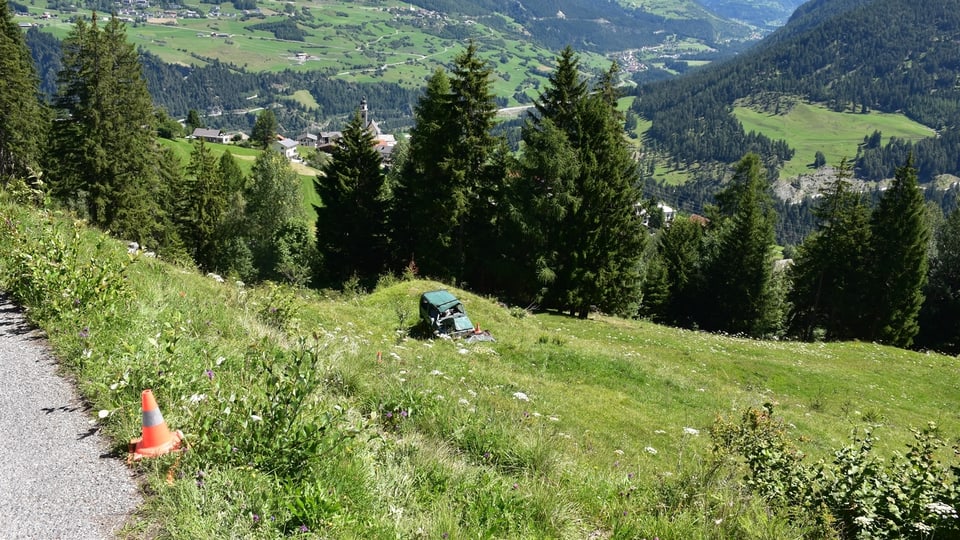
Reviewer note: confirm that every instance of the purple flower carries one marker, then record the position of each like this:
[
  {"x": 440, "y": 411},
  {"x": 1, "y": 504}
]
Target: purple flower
[
  {"x": 389, "y": 415},
  {"x": 486, "y": 455},
  {"x": 403, "y": 414},
  {"x": 303, "y": 528},
  {"x": 85, "y": 333},
  {"x": 256, "y": 518},
  {"x": 209, "y": 373}
]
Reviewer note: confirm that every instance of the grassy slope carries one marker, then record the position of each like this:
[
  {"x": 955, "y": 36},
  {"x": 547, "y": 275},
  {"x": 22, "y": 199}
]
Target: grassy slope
[
  {"x": 808, "y": 128},
  {"x": 610, "y": 404},
  {"x": 245, "y": 158}
]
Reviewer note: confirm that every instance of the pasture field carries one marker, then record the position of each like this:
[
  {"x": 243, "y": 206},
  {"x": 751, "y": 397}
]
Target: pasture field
[{"x": 809, "y": 128}]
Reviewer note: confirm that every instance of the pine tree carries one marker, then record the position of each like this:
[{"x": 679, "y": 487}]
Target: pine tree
[
  {"x": 898, "y": 256},
  {"x": 352, "y": 219},
  {"x": 264, "y": 131},
  {"x": 830, "y": 270},
  {"x": 204, "y": 204},
  {"x": 610, "y": 236},
  {"x": 22, "y": 119},
  {"x": 103, "y": 150},
  {"x": 545, "y": 197},
  {"x": 679, "y": 258},
  {"x": 940, "y": 313},
  {"x": 422, "y": 209},
  {"x": 740, "y": 271},
  {"x": 476, "y": 167}
]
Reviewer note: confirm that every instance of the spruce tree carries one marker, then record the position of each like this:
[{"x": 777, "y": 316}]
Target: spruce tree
[
  {"x": 476, "y": 168},
  {"x": 940, "y": 313},
  {"x": 422, "y": 206},
  {"x": 204, "y": 204},
  {"x": 22, "y": 121},
  {"x": 544, "y": 198},
  {"x": 351, "y": 221},
  {"x": 679, "y": 258},
  {"x": 739, "y": 273},
  {"x": 831, "y": 266},
  {"x": 264, "y": 131},
  {"x": 102, "y": 157},
  {"x": 609, "y": 233},
  {"x": 898, "y": 256}
]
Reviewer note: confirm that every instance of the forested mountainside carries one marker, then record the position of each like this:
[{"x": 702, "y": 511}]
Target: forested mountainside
[
  {"x": 854, "y": 55},
  {"x": 768, "y": 14},
  {"x": 597, "y": 26}
]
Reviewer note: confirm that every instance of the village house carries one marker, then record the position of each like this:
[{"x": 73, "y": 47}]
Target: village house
[
  {"x": 287, "y": 147},
  {"x": 211, "y": 135}
]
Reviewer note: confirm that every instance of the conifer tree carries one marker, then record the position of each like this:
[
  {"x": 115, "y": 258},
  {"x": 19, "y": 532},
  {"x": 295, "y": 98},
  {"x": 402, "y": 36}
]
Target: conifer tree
[
  {"x": 264, "y": 131},
  {"x": 680, "y": 261},
  {"x": 544, "y": 198},
  {"x": 22, "y": 119},
  {"x": 422, "y": 206},
  {"x": 476, "y": 167},
  {"x": 898, "y": 256},
  {"x": 351, "y": 221},
  {"x": 204, "y": 203},
  {"x": 739, "y": 273},
  {"x": 103, "y": 149},
  {"x": 610, "y": 236},
  {"x": 830, "y": 270},
  {"x": 940, "y": 313}
]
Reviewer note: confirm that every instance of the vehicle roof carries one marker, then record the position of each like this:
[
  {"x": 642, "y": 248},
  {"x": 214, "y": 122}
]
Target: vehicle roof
[{"x": 442, "y": 299}]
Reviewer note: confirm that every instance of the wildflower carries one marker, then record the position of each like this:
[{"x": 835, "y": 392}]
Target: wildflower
[
  {"x": 220, "y": 360},
  {"x": 389, "y": 415},
  {"x": 462, "y": 351},
  {"x": 436, "y": 372},
  {"x": 521, "y": 396},
  {"x": 618, "y": 452},
  {"x": 463, "y": 401},
  {"x": 85, "y": 333},
  {"x": 863, "y": 521},
  {"x": 196, "y": 398},
  {"x": 486, "y": 455},
  {"x": 303, "y": 529},
  {"x": 403, "y": 414},
  {"x": 256, "y": 518},
  {"x": 209, "y": 373},
  {"x": 651, "y": 450},
  {"x": 256, "y": 418},
  {"x": 103, "y": 413},
  {"x": 691, "y": 431}
]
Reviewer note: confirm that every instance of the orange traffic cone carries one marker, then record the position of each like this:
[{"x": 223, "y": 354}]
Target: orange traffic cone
[{"x": 157, "y": 439}]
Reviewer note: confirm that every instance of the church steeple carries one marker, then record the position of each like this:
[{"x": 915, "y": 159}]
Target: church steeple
[{"x": 364, "y": 112}]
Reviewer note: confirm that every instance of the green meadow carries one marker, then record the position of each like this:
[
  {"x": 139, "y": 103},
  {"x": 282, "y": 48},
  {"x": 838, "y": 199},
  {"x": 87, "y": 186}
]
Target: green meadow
[
  {"x": 809, "y": 128},
  {"x": 330, "y": 414}
]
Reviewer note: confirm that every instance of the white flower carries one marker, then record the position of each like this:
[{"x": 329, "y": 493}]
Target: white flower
[
  {"x": 256, "y": 417},
  {"x": 462, "y": 351},
  {"x": 103, "y": 414},
  {"x": 942, "y": 509},
  {"x": 395, "y": 356},
  {"x": 226, "y": 411},
  {"x": 618, "y": 452},
  {"x": 473, "y": 393},
  {"x": 463, "y": 401},
  {"x": 521, "y": 396},
  {"x": 554, "y": 418},
  {"x": 863, "y": 521},
  {"x": 196, "y": 398},
  {"x": 651, "y": 450},
  {"x": 220, "y": 360},
  {"x": 436, "y": 372},
  {"x": 691, "y": 431},
  {"x": 659, "y": 432}
]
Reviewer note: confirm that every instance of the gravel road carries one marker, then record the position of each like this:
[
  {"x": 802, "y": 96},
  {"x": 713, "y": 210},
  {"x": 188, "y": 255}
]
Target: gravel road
[{"x": 57, "y": 478}]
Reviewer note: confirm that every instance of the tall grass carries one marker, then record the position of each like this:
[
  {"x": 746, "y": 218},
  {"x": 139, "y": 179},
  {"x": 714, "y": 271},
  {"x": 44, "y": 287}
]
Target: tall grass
[{"x": 562, "y": 428}]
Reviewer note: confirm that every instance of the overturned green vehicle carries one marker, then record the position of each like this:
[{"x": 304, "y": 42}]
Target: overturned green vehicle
[{"x": 445, "y": 315}]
